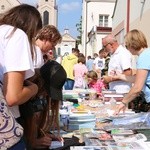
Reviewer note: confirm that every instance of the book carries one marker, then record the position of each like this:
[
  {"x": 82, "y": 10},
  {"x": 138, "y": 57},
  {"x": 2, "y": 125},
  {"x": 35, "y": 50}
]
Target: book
[
  {"x": 122, "y": 131},
  {"x": 82, "y": 125}
]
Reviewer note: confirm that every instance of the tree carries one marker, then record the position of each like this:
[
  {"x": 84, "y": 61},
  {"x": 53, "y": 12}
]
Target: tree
[{"x": 79, "y": 29}]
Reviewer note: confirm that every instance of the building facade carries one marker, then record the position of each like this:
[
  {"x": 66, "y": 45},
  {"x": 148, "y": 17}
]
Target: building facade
[
  {"x": 68, "y": 42},
  {"x": 134, "y": 15},
  {"x": 128, "y": 15},
  {"x": 7, "y": 4},
  {"x": 96, "y": 24},
  {"x": 49, "y": 11}
]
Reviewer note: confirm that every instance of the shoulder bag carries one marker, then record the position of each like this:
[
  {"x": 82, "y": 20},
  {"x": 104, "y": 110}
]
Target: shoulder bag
[{"x": 10, "y": 131}]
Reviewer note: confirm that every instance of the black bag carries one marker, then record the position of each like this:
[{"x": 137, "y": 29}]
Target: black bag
[
  {"x": 139, "y": 104},
  {"x": 32, "y": 106}
]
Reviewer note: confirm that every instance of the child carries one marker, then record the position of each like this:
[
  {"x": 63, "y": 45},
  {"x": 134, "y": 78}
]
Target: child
[
  {"x": 94, "y": 82},
  {"x": 79, "y": 72}
]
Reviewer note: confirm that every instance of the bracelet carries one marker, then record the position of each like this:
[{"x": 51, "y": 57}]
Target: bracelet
[{"x": 124, "y": 103}]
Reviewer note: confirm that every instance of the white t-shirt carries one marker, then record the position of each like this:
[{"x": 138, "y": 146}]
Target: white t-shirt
[
  {"x": 15, "y": 54},
  {"x": 120, "y": 61},
  {"x": 38, "y": 60},
  {"x": 99, "y": 63}
]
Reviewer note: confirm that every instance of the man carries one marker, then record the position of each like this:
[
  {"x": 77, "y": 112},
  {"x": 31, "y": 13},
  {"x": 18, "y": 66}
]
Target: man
[
  {"x": 68, "y": 62},
  {"x": 89, "y": 63},
  {"x": 46, "y": 40},
  {"x": 120, "y": 62},
  {"x": 99, "y": 63}
]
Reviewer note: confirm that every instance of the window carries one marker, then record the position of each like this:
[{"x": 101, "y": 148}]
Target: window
[
  {"x": 2, "y": 7},
  {"x": 103, "y": 20},
  {"x": 46, "y": 18}
]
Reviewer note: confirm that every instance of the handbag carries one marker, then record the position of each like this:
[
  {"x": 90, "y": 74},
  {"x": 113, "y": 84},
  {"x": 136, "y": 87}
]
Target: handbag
[
  {"x": 139, "y": 104},
  {"x": 10, "y": 131}
]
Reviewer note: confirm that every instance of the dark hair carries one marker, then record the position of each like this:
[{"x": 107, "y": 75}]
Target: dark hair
[
  {"x": 75, "y": 50},
  {"x": 81, "y": 59},
  {"x": 89, "y": 57},
  {"x": 24, "y": 17},
  {"x": 81, "y": 55}
]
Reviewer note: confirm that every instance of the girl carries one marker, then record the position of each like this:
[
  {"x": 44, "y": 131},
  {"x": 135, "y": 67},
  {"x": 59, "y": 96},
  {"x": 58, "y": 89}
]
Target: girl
[
  {"x": 18, "y": 27},
  {"x": 79, "y": 71},
  {"x": 94, "y": 82}
]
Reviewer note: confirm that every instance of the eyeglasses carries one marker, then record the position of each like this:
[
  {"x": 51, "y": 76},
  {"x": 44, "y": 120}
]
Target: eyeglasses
[{"x": 104, "y": 46}]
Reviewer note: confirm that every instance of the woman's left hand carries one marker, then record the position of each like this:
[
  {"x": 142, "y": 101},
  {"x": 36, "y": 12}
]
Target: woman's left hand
[{"x": 56, "y": 138}]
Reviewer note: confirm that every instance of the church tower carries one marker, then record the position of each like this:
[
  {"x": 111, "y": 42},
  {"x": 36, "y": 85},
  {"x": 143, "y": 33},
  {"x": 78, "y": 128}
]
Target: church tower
[{"x": 49, "y": 11}]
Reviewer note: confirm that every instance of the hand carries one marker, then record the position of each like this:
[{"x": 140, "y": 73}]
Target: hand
[
  {"x": 56, "y": 138},
  {"x": 119, "y": 108},
  {"x": 107, "y": 79},
  {"x": 112, "y": 72},
  {"x": 42, "y": 142}
]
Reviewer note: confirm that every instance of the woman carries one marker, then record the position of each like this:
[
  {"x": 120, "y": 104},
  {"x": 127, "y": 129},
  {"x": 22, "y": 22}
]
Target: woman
[
  {"x": 18, "y": 27},
  {"x": 136, "y": 43},
  {"x": 50, "y": 80}
]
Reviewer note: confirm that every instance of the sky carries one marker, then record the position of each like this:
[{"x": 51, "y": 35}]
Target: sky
[{"x": 69, "y": 13}]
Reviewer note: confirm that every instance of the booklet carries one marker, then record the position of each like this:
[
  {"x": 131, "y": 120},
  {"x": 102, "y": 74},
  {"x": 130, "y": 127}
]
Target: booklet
[{"x": 56, "y": 144}]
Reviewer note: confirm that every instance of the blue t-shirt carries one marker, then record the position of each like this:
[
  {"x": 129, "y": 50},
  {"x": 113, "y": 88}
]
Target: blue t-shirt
[{"x": 143, "y": 62}]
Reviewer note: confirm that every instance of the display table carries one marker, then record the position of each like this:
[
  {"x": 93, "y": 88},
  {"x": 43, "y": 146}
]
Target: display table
[{"x": 102, "y": 111}]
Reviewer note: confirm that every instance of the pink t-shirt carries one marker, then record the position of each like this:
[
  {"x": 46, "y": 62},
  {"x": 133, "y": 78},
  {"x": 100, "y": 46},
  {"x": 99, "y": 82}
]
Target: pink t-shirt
[
  {"x": 98, "y": 86},
  {"x": 79, "y": 70}
]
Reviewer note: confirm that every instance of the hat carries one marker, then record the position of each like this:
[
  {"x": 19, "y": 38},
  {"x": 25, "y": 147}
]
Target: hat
[{"x": 54, "y": 77}]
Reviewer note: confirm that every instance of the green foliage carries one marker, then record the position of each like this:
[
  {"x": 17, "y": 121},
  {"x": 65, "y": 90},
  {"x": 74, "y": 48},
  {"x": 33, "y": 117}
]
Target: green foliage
[{"x": 79, "y": 29}]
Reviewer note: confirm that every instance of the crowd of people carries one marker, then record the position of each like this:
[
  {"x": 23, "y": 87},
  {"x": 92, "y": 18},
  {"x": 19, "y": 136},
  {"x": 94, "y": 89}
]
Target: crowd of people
[{"x": 30, "y": 78}]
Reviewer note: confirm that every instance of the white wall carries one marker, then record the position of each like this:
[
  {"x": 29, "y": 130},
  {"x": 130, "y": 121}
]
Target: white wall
[{"x": 91, "y": 19}]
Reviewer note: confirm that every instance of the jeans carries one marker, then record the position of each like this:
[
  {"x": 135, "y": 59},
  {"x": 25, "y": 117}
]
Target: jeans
[
  {"x": 18, "y": 146},
  {"x": 69, "y": 84}
]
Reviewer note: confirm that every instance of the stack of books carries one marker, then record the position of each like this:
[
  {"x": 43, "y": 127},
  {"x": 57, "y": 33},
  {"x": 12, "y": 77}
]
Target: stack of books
[
  {"x": 81, "y": 120},
  {"x": 108, "y": 94}
]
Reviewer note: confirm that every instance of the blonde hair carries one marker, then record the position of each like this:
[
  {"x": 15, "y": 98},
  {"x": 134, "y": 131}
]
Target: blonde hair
[{"x": 136, "y": 40}]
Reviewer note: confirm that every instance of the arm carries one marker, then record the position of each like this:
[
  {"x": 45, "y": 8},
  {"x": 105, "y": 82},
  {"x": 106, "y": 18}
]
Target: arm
[
  {"x": 14, "y": 90},
  {"x": 125, "y": 76},
  {"x": 135, "y": 90}
]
